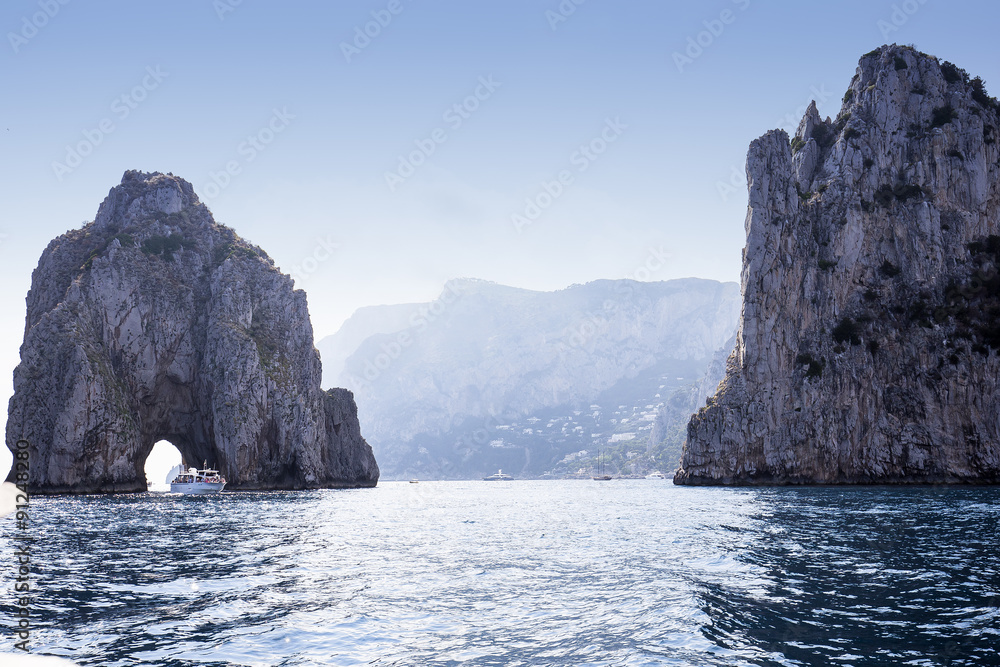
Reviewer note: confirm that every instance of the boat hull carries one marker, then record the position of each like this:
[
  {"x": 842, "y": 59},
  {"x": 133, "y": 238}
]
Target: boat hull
[{"x": 197, "y": 488}]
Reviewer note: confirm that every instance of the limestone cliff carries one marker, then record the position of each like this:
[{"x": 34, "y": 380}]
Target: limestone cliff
[
  {"x": 869, "y": 336},
  {"x": 155, "y": 322}
]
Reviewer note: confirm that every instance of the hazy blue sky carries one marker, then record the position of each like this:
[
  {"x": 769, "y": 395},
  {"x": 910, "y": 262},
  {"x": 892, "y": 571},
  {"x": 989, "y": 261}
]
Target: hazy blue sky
[{"x": 200, "y": 77}]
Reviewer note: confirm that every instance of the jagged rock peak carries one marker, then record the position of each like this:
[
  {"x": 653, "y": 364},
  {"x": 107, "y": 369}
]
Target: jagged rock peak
[
  {"x": 154, "y": 322},
  {"x": 897, "y": 94},
  {"x": 868, "y": 350},
  {"x": 809, "y": 121},
  {"x": 144, "y": 196}
]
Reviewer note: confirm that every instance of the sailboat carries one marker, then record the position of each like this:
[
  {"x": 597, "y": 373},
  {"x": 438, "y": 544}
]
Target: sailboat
[{"x": 601, "y": 476}]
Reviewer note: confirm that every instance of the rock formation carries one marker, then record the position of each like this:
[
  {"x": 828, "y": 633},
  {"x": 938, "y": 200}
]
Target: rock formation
[
  {"x": 155, "y": 322},
  {"x": 869, "y": 337}
]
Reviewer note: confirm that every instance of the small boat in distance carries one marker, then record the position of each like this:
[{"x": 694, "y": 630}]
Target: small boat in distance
[
  {"x": 498, "y": 476},
  {"x": 414, "y": 481},
  {"x": 198, "y": 482},
  {"x": 601, "y": 476},
  {"x": 656, "y": 475}
]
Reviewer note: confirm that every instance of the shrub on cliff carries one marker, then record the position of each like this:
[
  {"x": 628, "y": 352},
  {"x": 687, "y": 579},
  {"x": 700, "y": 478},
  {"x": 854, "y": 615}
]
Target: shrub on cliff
[
  {"x": 943, "y": 115},
  {"x": 166, "y": 246},
  {"x": 847, "y": 330}
]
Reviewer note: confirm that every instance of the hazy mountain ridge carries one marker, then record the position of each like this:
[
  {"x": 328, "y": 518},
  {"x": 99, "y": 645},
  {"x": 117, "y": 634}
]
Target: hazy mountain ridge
[
  {"x": 365, "y": 322},
  {"x": 670, "y": 426},
  {"x": 478, "y": 362}
]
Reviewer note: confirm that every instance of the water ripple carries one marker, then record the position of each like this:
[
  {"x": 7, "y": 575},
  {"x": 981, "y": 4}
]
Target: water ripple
[{"x": 526, "y": 573}]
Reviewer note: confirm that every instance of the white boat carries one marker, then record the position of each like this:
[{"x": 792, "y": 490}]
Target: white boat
[
  {"x": 656, "y": 475},
  {"x": 498, "y": 476},
  {"x": 197, "y": 482}
]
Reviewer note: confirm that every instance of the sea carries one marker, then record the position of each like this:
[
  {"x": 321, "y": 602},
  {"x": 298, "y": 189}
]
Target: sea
[{"x": 575, "y": 572}]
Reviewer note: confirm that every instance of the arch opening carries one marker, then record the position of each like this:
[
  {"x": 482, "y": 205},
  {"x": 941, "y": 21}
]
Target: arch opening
[{"x": 162, "y": 459}]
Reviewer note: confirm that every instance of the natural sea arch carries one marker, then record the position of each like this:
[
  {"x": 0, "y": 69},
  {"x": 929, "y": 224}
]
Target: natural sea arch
[
  {"x": 163, "y": 458},
  {"x": 183, "y": 446},
  {"x": 154, "y": 322}
]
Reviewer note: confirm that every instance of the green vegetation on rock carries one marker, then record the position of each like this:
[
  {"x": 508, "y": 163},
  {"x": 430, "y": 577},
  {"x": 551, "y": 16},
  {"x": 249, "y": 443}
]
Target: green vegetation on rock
[{"x": 166, "y": 246}]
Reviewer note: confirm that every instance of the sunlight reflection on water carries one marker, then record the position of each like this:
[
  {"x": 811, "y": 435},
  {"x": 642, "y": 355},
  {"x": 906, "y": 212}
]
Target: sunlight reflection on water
[{"x": 541, "y": 573}]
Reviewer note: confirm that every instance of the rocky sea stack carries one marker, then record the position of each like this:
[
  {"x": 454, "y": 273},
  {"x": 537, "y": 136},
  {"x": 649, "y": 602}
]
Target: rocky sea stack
[
  {"x": 869, "y": 345},
  {"x": 155, "y": 322}
]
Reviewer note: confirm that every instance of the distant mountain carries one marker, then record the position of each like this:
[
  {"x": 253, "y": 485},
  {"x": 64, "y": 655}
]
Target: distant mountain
[
  {"x": 365, "y": 322},
  {"x": 666, "y": 439},
  {"x": 490, "y": 376}
]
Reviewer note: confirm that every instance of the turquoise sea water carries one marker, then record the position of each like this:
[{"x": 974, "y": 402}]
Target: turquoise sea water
[{"x": 517, "y": 573}]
